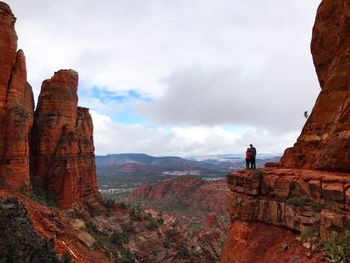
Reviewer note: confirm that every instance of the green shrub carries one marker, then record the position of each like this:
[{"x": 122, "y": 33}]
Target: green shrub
[
  {"x": 120, "y": 238},
  {"x": 183, "y": 208},
  {"x": 171, "y": 233},
  {"x": 124, "y": 205},
  {"x": 71, "y": 214},
  {"x": 317, "y": 207},
  {"x": 149, "y": 217},
  {"x": 160, "y": 221},
  {"x": 127, "y": 257},
  {"x": 297, "y": 201},
  {"x": 109, "y": 203},
  {"x": 152, "y": 226},
  {"x": 258, "y": 174},
  {"x": 129, "y": 229},
  {"x": 91, "y": 227},
  {"x": 312, "y": 234},
  {"x": 135, "y": 214},
  {"x": 41, "y": 196},
  {"x": 337, "y": 248},
  {"x": 166, "y": 244},
  {"x": 183, "y": 251}
]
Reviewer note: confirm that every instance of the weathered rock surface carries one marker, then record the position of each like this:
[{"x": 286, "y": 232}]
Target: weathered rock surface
[
  {"x": 325, "y": 139},
  {"x": 300, "y": 200},
  {"x": 16, "y": 107},
  {"x": 261, "y": 243},
  {"x": 19, "y": 242},
  {"x": 63, "y": 159},
  {"x": 295, "y": 200},
  {"x": 287, "y": 195}
]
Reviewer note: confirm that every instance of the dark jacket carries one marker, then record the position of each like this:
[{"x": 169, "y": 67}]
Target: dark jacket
[{"x": 253, "y": 151}]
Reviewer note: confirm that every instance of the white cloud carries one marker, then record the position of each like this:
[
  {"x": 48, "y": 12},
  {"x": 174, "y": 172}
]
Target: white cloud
[
  {"x": 204, "y": 63},
  {"x": 112, "y": 137}
]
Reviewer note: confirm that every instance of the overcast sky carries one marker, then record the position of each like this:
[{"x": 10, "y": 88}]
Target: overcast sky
[{"x": 179, "y": 77}]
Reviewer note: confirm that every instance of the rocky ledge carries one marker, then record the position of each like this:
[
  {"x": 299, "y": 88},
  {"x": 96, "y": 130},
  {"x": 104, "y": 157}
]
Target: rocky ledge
[{"x": 300, "y": 200}]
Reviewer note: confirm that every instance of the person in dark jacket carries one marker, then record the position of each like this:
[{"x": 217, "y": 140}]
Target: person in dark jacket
[
  {"x": 252, "y": 156},
  {"x": 247, "y": 158}
]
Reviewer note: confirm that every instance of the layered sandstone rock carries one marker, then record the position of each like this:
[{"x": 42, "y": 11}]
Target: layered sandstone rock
[
  {"x": 63, "y": 159},
  {"x": 300, "y": 200},
  {"x": 281, "y": 203},
  {"x": 16, "y": 107},
  {"x": 325, "y": 139}
]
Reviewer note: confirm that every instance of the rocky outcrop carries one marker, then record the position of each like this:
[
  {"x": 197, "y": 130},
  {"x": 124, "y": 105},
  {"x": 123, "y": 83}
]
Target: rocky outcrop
[
  {"x": 63, "y": 159},
  {"x": 325, "y": 139},
  {"x": 16, "y": 107},
  {"x": 19, "y": 242},
  {"x": 308, "y": 192},
  {"x": 288, "y": 202},
  {"x": 258, "y": 243},
  {"x": 303, "y": 201},
  {"x": 61, "y": 148}
]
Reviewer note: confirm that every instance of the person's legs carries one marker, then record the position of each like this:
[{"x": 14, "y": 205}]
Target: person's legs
[
  {"x": 247, "y": 163},
  {"x": 252, "y": 162}
]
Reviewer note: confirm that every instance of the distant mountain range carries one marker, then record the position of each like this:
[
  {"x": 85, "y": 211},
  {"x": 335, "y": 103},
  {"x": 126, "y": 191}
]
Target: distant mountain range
[{"x": 136, "y": 169}]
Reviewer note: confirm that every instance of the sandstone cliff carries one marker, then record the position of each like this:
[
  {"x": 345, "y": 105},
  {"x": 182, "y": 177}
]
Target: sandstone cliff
[
  {"x": 325, "y": 139},
  {"x": 63, "y": 159},
  {"x": 296, "y": 198},
  {"x": 61, "y": 149},
  {"x": 16, "y": 107}
]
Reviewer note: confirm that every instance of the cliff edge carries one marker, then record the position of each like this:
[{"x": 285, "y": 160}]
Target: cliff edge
[
  {"x": 324, "y": 142},
  {"x": 277, "y": 213}
]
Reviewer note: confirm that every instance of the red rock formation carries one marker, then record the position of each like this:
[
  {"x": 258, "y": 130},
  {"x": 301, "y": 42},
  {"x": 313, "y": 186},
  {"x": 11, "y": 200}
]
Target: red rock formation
[
  {"x": 301, "y": 200},
  {"x": 325, "y": 139},
  {"x": 63, "y": 158},
  {"x": 16, "y": 106},
  {"x": 197, "y": 194},
  {"x": 259, "y": 243}
]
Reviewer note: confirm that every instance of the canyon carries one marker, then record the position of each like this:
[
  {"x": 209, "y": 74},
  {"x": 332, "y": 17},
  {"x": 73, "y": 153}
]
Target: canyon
[
  {"x": 50, "y": 207},
  {"x": 280, "y": 213},
  {"x": 188, "y": 197}
]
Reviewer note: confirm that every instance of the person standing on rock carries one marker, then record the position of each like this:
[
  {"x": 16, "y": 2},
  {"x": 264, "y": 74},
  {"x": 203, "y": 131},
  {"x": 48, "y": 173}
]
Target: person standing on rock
[
  {"x": 247, "y": 158},
  {"x": 252, "y": 156}
]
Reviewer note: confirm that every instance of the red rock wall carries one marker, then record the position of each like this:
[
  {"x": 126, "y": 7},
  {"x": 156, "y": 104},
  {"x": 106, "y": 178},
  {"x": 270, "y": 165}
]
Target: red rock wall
[
  {"x": 61, "y": 147},
  {"x": 16, "y": 107},
  {"x": 325, "y": 139},
  {"x": 261, "y": 243},
  {"x": 63, "y": 159}
]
